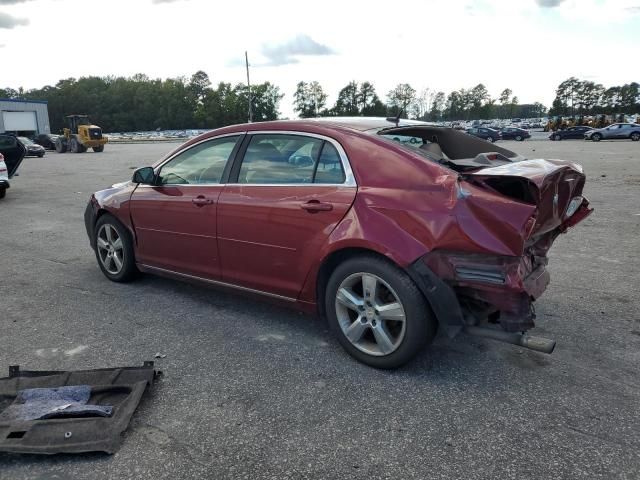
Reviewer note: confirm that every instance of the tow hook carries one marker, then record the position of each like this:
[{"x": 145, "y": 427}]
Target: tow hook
[{"x": 538, "y": 344}]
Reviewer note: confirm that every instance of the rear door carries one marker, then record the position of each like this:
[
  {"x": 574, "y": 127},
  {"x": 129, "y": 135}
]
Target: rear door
[
  {"x": 287, "y": 192},
  {"x": 13, "y": 152},
  {"x": 175, "y": 219}
]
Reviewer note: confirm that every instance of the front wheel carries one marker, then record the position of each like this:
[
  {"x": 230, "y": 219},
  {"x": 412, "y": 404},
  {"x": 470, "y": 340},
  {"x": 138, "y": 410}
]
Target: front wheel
[
  {"x": 3, "y": 192},
  {"x": 635, "y": 136},
  {"x": 377, "y": 313},
  {"x": 490, "y": 139},
  {"x": 519, "y": 138},
  {"x": 557, "y": 137},
  {"x": 596, "y": 137},
  {"x": 74, "y": 145},
  {"x": 114, "y": 249},
  {"x": 99, "y": 148}
]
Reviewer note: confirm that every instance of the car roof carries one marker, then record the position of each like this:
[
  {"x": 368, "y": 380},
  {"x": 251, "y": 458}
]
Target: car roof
[{"x": 364, "y": 124}]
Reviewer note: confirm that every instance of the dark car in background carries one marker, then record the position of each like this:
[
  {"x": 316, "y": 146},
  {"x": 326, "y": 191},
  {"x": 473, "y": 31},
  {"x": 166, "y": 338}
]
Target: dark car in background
[
  {"x": 47, "y": 140},
  {"x": 33, "y": 149},
  {"x": 388, "y": 240},
  {"x": 514, "y": 133},
  {"x": 488, "y": 134},
  {"x": 570, "y": 133}
]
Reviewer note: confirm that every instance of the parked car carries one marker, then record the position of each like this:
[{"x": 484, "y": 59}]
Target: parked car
[
  {"x": 388, "y": 240},
  {"x": 488, "y": 134},
  {"x": 570, "y": 133},
  {"x": 513, "y": 133},
  {"x": 47, "y": 140},
  {"x": 33, "y": 149},
  {"x": 616, "y": 131},
  {"x": 11, "y": 154}
]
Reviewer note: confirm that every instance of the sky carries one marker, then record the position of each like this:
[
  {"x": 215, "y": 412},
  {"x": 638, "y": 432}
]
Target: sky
[{"x": 529, "y": 46}]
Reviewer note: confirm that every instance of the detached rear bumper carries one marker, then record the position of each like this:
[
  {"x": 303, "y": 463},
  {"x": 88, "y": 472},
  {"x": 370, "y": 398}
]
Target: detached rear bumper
[{"x": 90, "y": 217}]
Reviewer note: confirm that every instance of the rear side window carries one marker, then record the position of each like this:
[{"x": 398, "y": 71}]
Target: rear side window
[
  {"x": 7, "y": 141},
  {"x": 201, "y": 164},
  {"x": 290, "y": 159}
]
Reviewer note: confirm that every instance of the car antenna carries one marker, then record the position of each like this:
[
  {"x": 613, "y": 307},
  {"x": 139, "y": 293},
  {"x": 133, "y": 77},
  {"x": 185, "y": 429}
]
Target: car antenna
[{"x": 395, "y": 119}]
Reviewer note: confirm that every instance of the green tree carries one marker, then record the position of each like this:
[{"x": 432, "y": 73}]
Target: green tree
[
  {"x": 348, "y": 102},
  {"x": 309, "y": 99},
  {"x": 401, "y": 99}
]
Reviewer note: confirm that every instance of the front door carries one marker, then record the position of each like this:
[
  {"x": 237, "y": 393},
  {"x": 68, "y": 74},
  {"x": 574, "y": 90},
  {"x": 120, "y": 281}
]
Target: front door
[
  {"x": 13, "y": 152},
  {"x": 175, "y": 219},
  {"x": 290, "y": 193}
]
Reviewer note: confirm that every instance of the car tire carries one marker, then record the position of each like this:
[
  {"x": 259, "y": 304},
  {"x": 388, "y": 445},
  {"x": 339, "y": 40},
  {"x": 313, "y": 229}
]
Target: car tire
[
  {"x": 114, "y": 249},
  {"x": 74, "y": 145},
  {"x": 380, "y": 340},
  {"x": 557, "y": 137},
  {"x": 98, "y": 149},
  {"x": 519, "y": 138},
  {"x": 61, "y": 147},
  {"x": 3, "y": 192},
  {"x": 635, "y": 136},
  {"x": 41, "y": 155},
  {"x": 596, "y": 137},
  {"x": 490, "y": 139}
]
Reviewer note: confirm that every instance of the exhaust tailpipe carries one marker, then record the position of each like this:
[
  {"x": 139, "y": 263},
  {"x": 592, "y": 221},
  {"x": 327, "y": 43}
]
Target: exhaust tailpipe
[{"x": 538, "y": 344}]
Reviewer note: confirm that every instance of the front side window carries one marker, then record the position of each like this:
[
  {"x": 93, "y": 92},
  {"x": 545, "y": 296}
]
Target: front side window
[
  {"x": 290, "y": 159},
  {"x": 202, "y": 164}
]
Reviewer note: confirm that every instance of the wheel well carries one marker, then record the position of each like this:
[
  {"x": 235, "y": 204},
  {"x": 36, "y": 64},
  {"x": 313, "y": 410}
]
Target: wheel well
[{"x": 330, "y": 264}]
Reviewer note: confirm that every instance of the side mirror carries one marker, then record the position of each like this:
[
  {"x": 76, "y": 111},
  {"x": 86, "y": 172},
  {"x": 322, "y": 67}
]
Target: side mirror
[{"x": 144, "y": 175}]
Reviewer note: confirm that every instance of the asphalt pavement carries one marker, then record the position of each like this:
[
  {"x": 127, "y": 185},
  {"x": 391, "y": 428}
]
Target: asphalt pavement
[{"x": 253, "y": 390}]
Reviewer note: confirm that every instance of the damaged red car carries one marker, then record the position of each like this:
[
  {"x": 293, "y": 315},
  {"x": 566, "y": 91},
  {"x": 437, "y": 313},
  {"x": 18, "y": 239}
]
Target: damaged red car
[{"x": 387, "y": 239}]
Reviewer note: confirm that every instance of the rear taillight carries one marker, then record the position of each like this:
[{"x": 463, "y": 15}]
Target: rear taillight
[{"x": 574, "y": 204}]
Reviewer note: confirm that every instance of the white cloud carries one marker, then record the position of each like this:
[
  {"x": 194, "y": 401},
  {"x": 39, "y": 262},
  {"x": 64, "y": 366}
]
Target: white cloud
[
  {"x": 549, "y": 3},
  {"x": 8, "y": 22},
  {"x": 290, "y": 51}
]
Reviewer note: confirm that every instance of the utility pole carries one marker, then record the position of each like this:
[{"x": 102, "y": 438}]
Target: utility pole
[{"x": 246, "y": 59}]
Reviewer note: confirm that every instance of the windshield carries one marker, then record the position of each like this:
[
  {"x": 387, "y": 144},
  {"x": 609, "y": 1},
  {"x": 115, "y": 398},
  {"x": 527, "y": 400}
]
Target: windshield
[{"x": 25, "y": 140}]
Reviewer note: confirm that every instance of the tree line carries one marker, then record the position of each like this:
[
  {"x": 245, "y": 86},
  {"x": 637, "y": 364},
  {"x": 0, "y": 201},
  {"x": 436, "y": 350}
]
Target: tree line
[
  {"x": 139, "y": 103},
  {"x": 355, "y": 99},
  {"x": 584, "y": 97}
]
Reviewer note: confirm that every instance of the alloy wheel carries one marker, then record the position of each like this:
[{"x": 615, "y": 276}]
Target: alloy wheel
[
  {"x": 370, "y": 314},
  {"x": 110, "y": 249}
]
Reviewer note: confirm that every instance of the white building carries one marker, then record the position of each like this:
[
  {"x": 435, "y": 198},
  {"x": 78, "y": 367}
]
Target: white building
[{"x": 24, "y": 117}]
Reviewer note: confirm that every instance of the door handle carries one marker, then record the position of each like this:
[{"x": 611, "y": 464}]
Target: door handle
[
  {"x": 201, "y": 201},
  {"x": 316, "y": 206}
]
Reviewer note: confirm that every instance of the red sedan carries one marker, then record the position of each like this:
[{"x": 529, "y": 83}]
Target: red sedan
[{"x": 388, "y": 239}]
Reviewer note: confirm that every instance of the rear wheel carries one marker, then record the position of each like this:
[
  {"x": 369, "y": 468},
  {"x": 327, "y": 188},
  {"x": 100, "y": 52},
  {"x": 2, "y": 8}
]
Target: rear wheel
[
  {"x": 635, "y": 136},
  {"x": 3, "y": 192},
  {"x": 490, "y": 139},
  {"x": 99, "y": 148},
  {"x": 377, "y": 313},
  {"x": 61, "y": 146},
  {"x": 519, "y": 138},
  {"x": 596, "y": 137},
  {"x": 114, "y": 250},
  {"x": 557, "y": 137}
]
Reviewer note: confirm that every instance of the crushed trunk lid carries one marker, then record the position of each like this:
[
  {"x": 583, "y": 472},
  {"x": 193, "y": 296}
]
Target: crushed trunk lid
[
  {"x": 554, "y": 187},
  {"x": 51, "y": 412}
]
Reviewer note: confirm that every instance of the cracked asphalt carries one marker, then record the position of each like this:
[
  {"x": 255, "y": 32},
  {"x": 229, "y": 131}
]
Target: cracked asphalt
[{"x": 253, "y": 390}]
